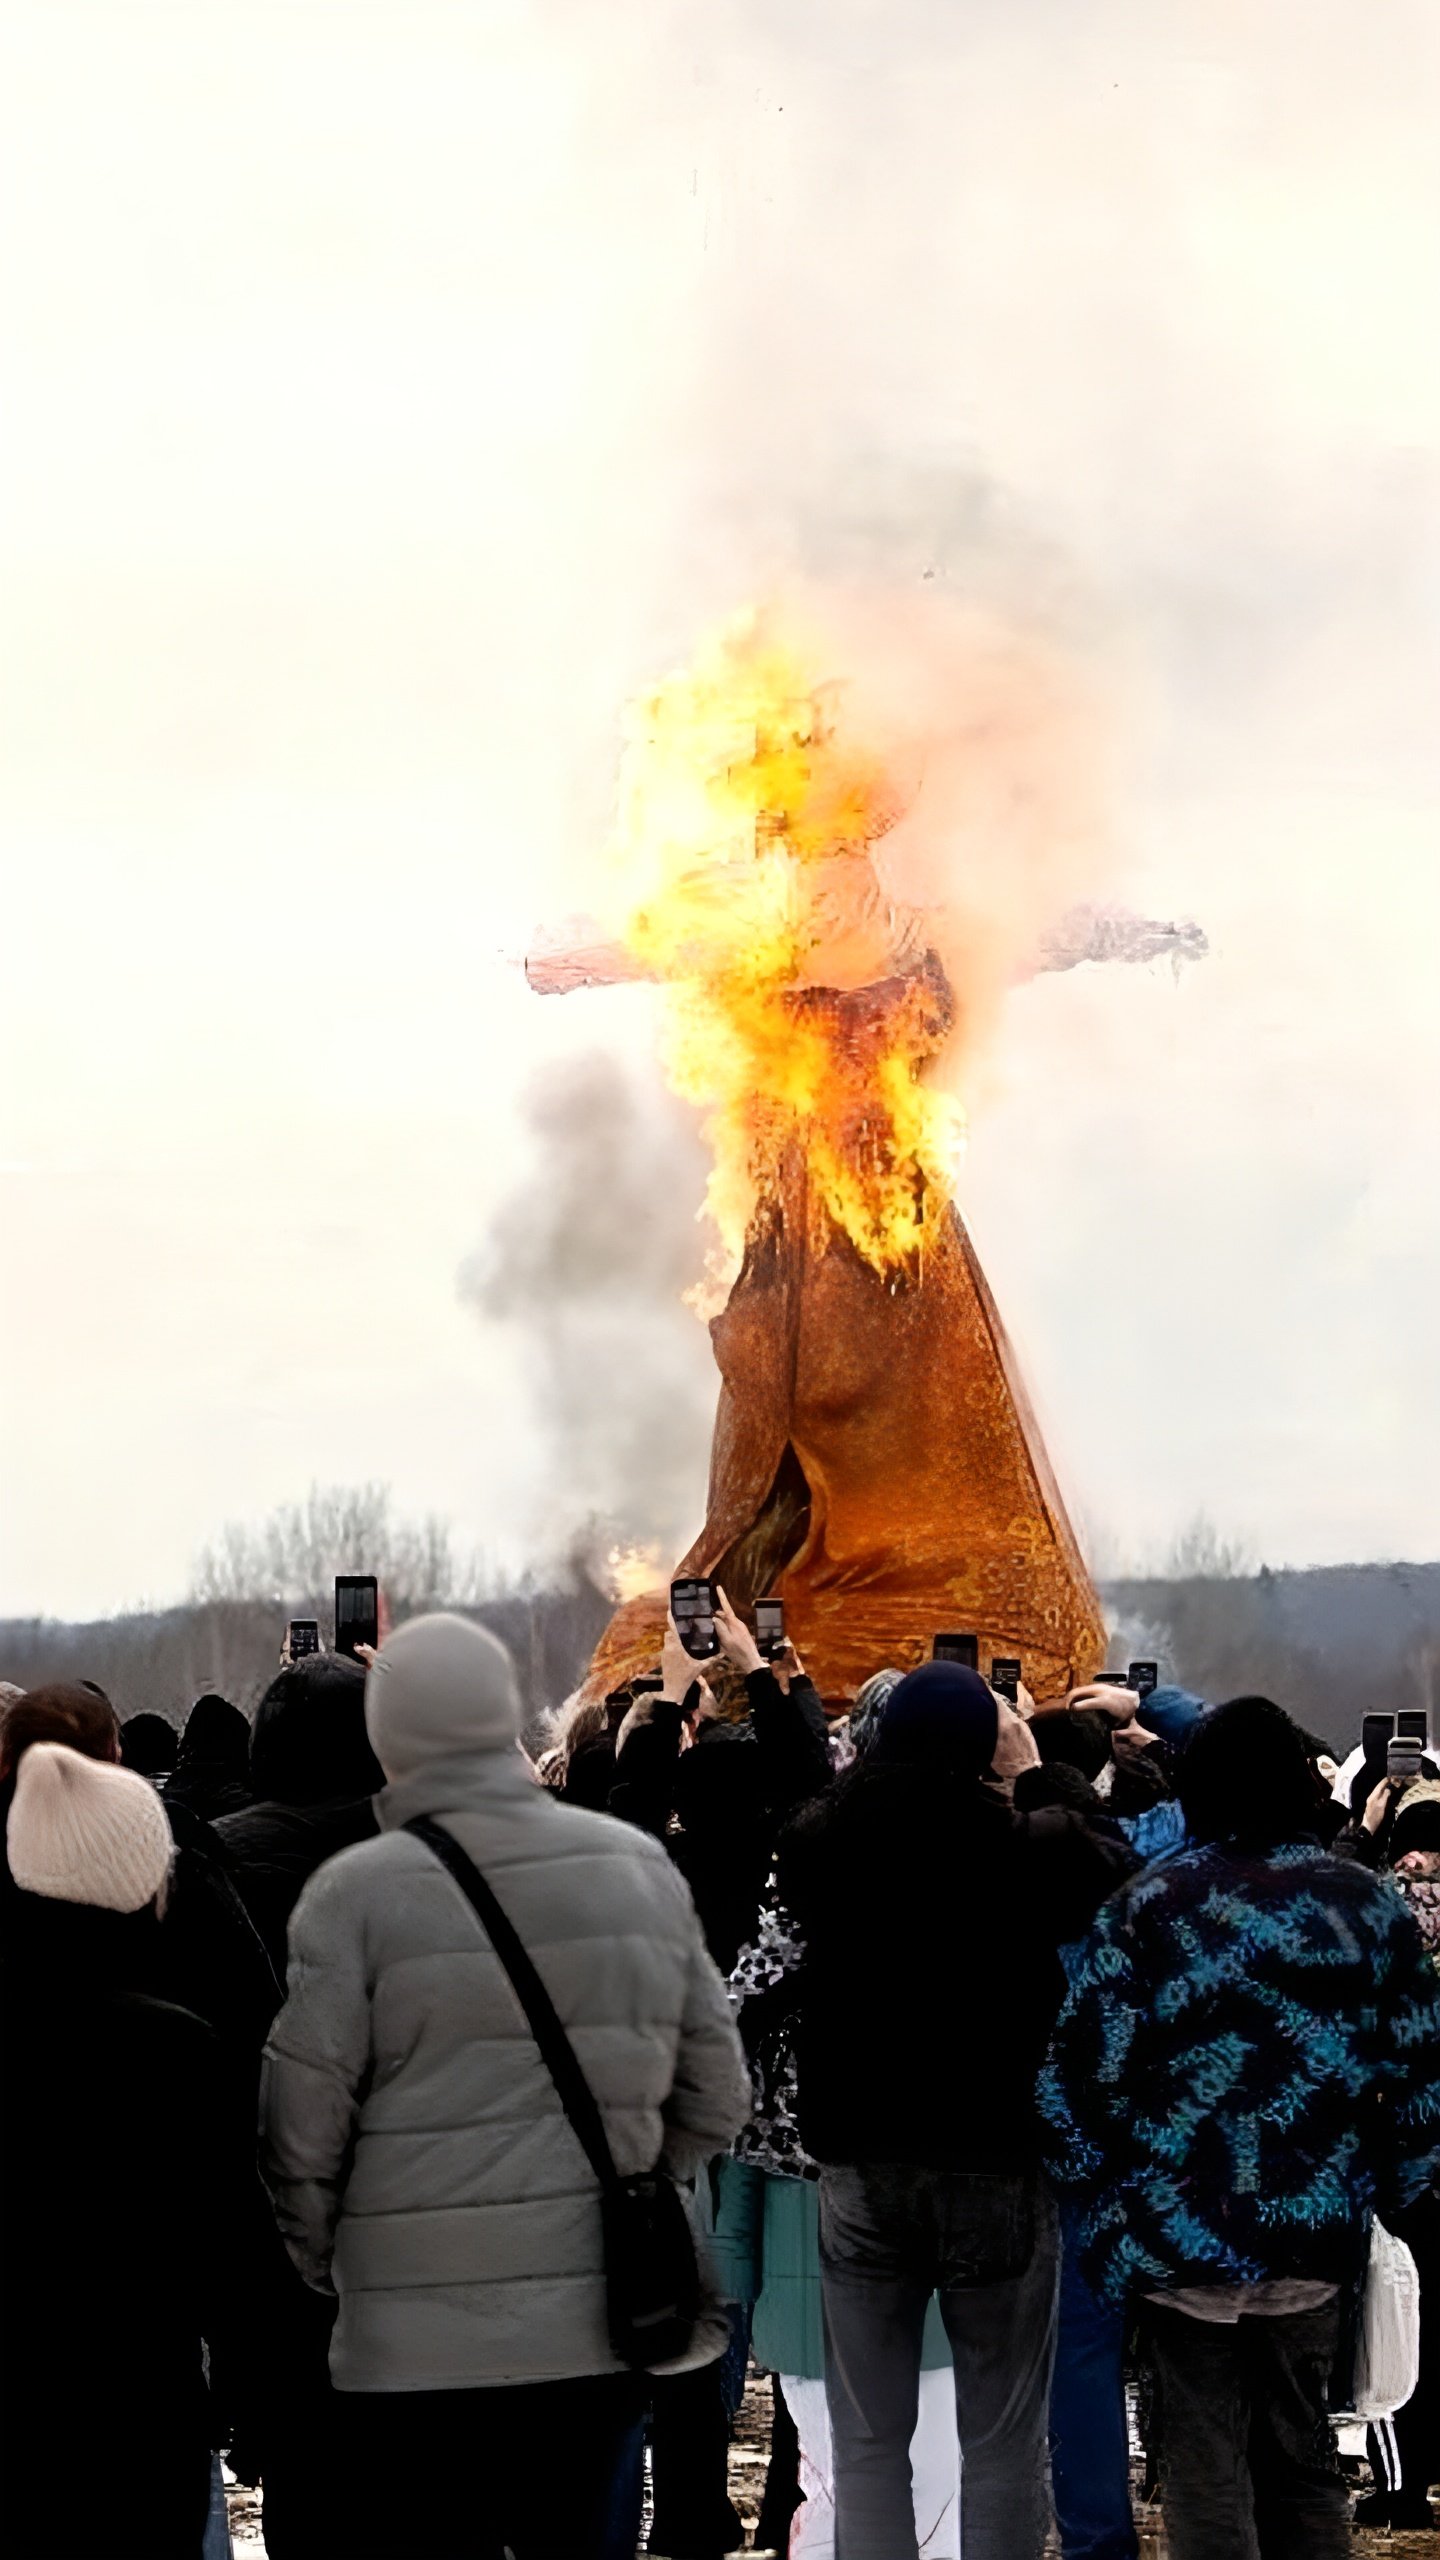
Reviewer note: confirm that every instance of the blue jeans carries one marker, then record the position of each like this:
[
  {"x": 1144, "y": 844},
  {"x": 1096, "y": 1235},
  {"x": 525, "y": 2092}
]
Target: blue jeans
[
  {"x": 1089, "y": 2439},
  {"x": 216, "y": 2545},
  {"x": 624, "y": 2509}
]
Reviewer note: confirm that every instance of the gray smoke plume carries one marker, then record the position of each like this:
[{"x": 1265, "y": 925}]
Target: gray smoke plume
[{"x": 588, "y": 1260}]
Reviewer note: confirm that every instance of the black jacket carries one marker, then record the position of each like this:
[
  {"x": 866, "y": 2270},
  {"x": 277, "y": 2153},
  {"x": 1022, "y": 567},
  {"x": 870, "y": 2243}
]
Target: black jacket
[
  {"x": 271, "y": 1852},
  {"x": 314, "y": 1775},
  {"x": 932, "y": 1915},
  {"x": 720, "y": 1806},
  {"x": 207, "y": 1788},
  {"x": 205, "y": 1955},
  {"x": 134, "y": 2229},
  {"x": 210, "y": 1956}
]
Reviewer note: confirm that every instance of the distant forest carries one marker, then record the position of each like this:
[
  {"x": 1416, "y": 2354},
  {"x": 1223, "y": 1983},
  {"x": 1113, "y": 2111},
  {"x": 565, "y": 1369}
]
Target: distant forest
[{"x": 1329, "y": 1642}]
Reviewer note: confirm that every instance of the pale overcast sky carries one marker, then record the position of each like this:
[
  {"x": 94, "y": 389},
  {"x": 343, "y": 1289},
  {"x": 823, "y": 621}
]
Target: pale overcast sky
[{"x": 389, "y": 390}]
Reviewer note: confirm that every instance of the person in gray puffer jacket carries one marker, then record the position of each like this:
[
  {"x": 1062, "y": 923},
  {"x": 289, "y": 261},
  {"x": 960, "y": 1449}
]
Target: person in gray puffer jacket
[{"x": 414, "y": 2145}]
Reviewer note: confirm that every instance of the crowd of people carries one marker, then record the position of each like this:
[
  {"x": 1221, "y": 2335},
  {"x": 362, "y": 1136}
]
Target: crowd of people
[{"x": 990, "y": 2078}]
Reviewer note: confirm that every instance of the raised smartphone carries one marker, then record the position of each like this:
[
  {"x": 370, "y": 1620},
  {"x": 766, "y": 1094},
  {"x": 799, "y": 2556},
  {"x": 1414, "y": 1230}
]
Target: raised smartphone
[{"x": 692, "y": 1606}]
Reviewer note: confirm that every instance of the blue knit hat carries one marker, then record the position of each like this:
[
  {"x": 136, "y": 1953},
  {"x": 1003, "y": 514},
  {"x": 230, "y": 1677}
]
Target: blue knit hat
[
  {"x": 941, "y": 1717},
  {"x": 1173, "y": 1714}
]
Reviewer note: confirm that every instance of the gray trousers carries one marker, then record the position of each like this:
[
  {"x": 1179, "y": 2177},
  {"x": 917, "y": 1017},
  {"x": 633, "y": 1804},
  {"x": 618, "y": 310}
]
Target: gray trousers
[
  {"x": 1248, "y": 2469},
  {"x": 889, "y": 2238}
]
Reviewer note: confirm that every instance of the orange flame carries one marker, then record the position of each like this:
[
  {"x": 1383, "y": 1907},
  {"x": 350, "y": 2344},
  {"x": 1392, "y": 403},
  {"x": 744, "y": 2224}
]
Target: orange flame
[{"x": 744, "y": 880}]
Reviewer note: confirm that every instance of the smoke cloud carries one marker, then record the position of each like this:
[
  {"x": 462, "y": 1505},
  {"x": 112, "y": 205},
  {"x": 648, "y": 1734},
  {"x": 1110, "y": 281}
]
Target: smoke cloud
[
  {"x": 1119, "y": 316},
  {"x": 586, "y": 1262}
]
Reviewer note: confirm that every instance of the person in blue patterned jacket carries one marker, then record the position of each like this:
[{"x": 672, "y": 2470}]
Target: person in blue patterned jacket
[{"x": 1246, "y": 2069}]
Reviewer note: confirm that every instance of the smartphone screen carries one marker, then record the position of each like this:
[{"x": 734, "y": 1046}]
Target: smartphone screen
[
  {"x": 1403, "y": 1755},
  {"x": 1111, "y": 1680},
  {"x": 1414, "y": 1723},
  {"x": 1005, "y": 1676},
  {"x": 617, "y": 1708},
  {"x": 304, "y": 1637},
  {"x": 770, "y": 1627},
  {"x": 357, "y": 1611},
  {"x": 957, "y": 1648},
  {"x": 1375, "y": 1735},
  {"x": 1144, "y": 1677},
  {"x": 692, "y": 1606}
]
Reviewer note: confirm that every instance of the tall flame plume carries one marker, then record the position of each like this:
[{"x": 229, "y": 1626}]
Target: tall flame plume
[{"x": 743, "y": 878}]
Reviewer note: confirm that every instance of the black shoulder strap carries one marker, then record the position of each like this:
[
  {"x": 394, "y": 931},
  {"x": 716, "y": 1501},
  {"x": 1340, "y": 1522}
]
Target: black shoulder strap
[{"x": 556, "y": 2050}]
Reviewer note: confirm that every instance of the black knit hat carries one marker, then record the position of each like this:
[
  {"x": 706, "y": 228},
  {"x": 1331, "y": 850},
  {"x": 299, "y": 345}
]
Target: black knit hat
[{"x": 1245, "y": 1775}]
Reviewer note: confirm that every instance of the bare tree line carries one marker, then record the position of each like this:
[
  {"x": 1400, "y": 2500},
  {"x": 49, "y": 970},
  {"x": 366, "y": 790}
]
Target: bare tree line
[
  {"x": 1329, "y": 1643},
  {"x": 253, "y": 1578}
]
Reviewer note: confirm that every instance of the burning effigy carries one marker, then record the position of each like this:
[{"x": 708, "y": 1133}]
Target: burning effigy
[{"x": 807, "y": 866}]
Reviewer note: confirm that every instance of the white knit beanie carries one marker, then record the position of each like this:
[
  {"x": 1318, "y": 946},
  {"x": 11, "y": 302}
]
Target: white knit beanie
[
  {"x": 85, "y": 1831},
  {"x": 439, "y": 1689}
]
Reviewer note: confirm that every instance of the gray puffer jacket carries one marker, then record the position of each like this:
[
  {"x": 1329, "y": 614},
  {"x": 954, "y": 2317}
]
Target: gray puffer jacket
[{"x": 415, "y": 2148}]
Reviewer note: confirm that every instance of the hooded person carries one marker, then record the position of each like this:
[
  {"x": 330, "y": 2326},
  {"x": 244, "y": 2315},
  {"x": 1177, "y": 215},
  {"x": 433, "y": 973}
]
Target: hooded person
[
  {"x": 932, "y": 1914},
  {"x": 313, "y": 1778},
  {"x": 211, "y": 1774},
  {"x": 132, "y": 2200},
  {"x": 149, "y": 1743},
  {"x": 419, "y": 2158}
]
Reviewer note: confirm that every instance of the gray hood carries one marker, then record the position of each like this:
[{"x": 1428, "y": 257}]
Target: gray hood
[{"x": 440, "y": 1688}]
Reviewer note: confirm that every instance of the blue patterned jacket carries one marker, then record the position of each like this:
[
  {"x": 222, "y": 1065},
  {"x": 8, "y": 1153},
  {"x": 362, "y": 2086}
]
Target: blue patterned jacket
[{"x": 1247, "y": 2066}]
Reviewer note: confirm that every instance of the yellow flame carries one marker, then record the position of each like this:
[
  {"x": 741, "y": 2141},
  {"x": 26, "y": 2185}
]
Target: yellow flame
[
  {"x": 744, "y": 877},
  {"x": 632, "y": 1570}
]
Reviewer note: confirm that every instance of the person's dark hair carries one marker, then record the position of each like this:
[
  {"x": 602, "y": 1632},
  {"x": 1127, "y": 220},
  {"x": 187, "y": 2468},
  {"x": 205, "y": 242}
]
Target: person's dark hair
[
  {"x": 1056, "y": 1782},
  {"x": 1416, "y": 1824},
  {"x": 148, "y": 1744},
  {"x": 1245, "y": 1775},
  {"x": 215, "y": 1731},
  {"x": 1076, "y": 1738},
  {"x": 69, "y": 1711},
  {"x": 308, "y": 1744}
]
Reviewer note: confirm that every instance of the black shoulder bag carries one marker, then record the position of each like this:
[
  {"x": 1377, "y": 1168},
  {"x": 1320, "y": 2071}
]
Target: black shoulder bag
[{"x": 652, "y": 2280}]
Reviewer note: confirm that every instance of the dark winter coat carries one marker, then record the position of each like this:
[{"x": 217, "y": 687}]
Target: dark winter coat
[
  {"x": 212, "y": 1773},
  {"x": 720, "y": 1806},
  {"x": 932, "y": 1916},
  {"x": 205, "y": 1955},
  {"x": 1247, "y": 2066},
  {"x": 134, "y": 2229},
  {"x": 211, "y": 1956},
  {"x": 272, "y": 1851},
  {"x": 314, "y": 1777}
]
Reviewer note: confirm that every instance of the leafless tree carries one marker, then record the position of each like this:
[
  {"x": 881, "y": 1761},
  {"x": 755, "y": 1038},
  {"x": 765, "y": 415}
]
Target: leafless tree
[{"x": 293, "y": 1557}]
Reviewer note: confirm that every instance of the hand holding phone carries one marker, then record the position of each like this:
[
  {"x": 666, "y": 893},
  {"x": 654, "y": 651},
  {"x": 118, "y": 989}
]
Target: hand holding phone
[
  {"x": 733, "y": 1637},
  {"x": 1111, "y": 1693}
]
